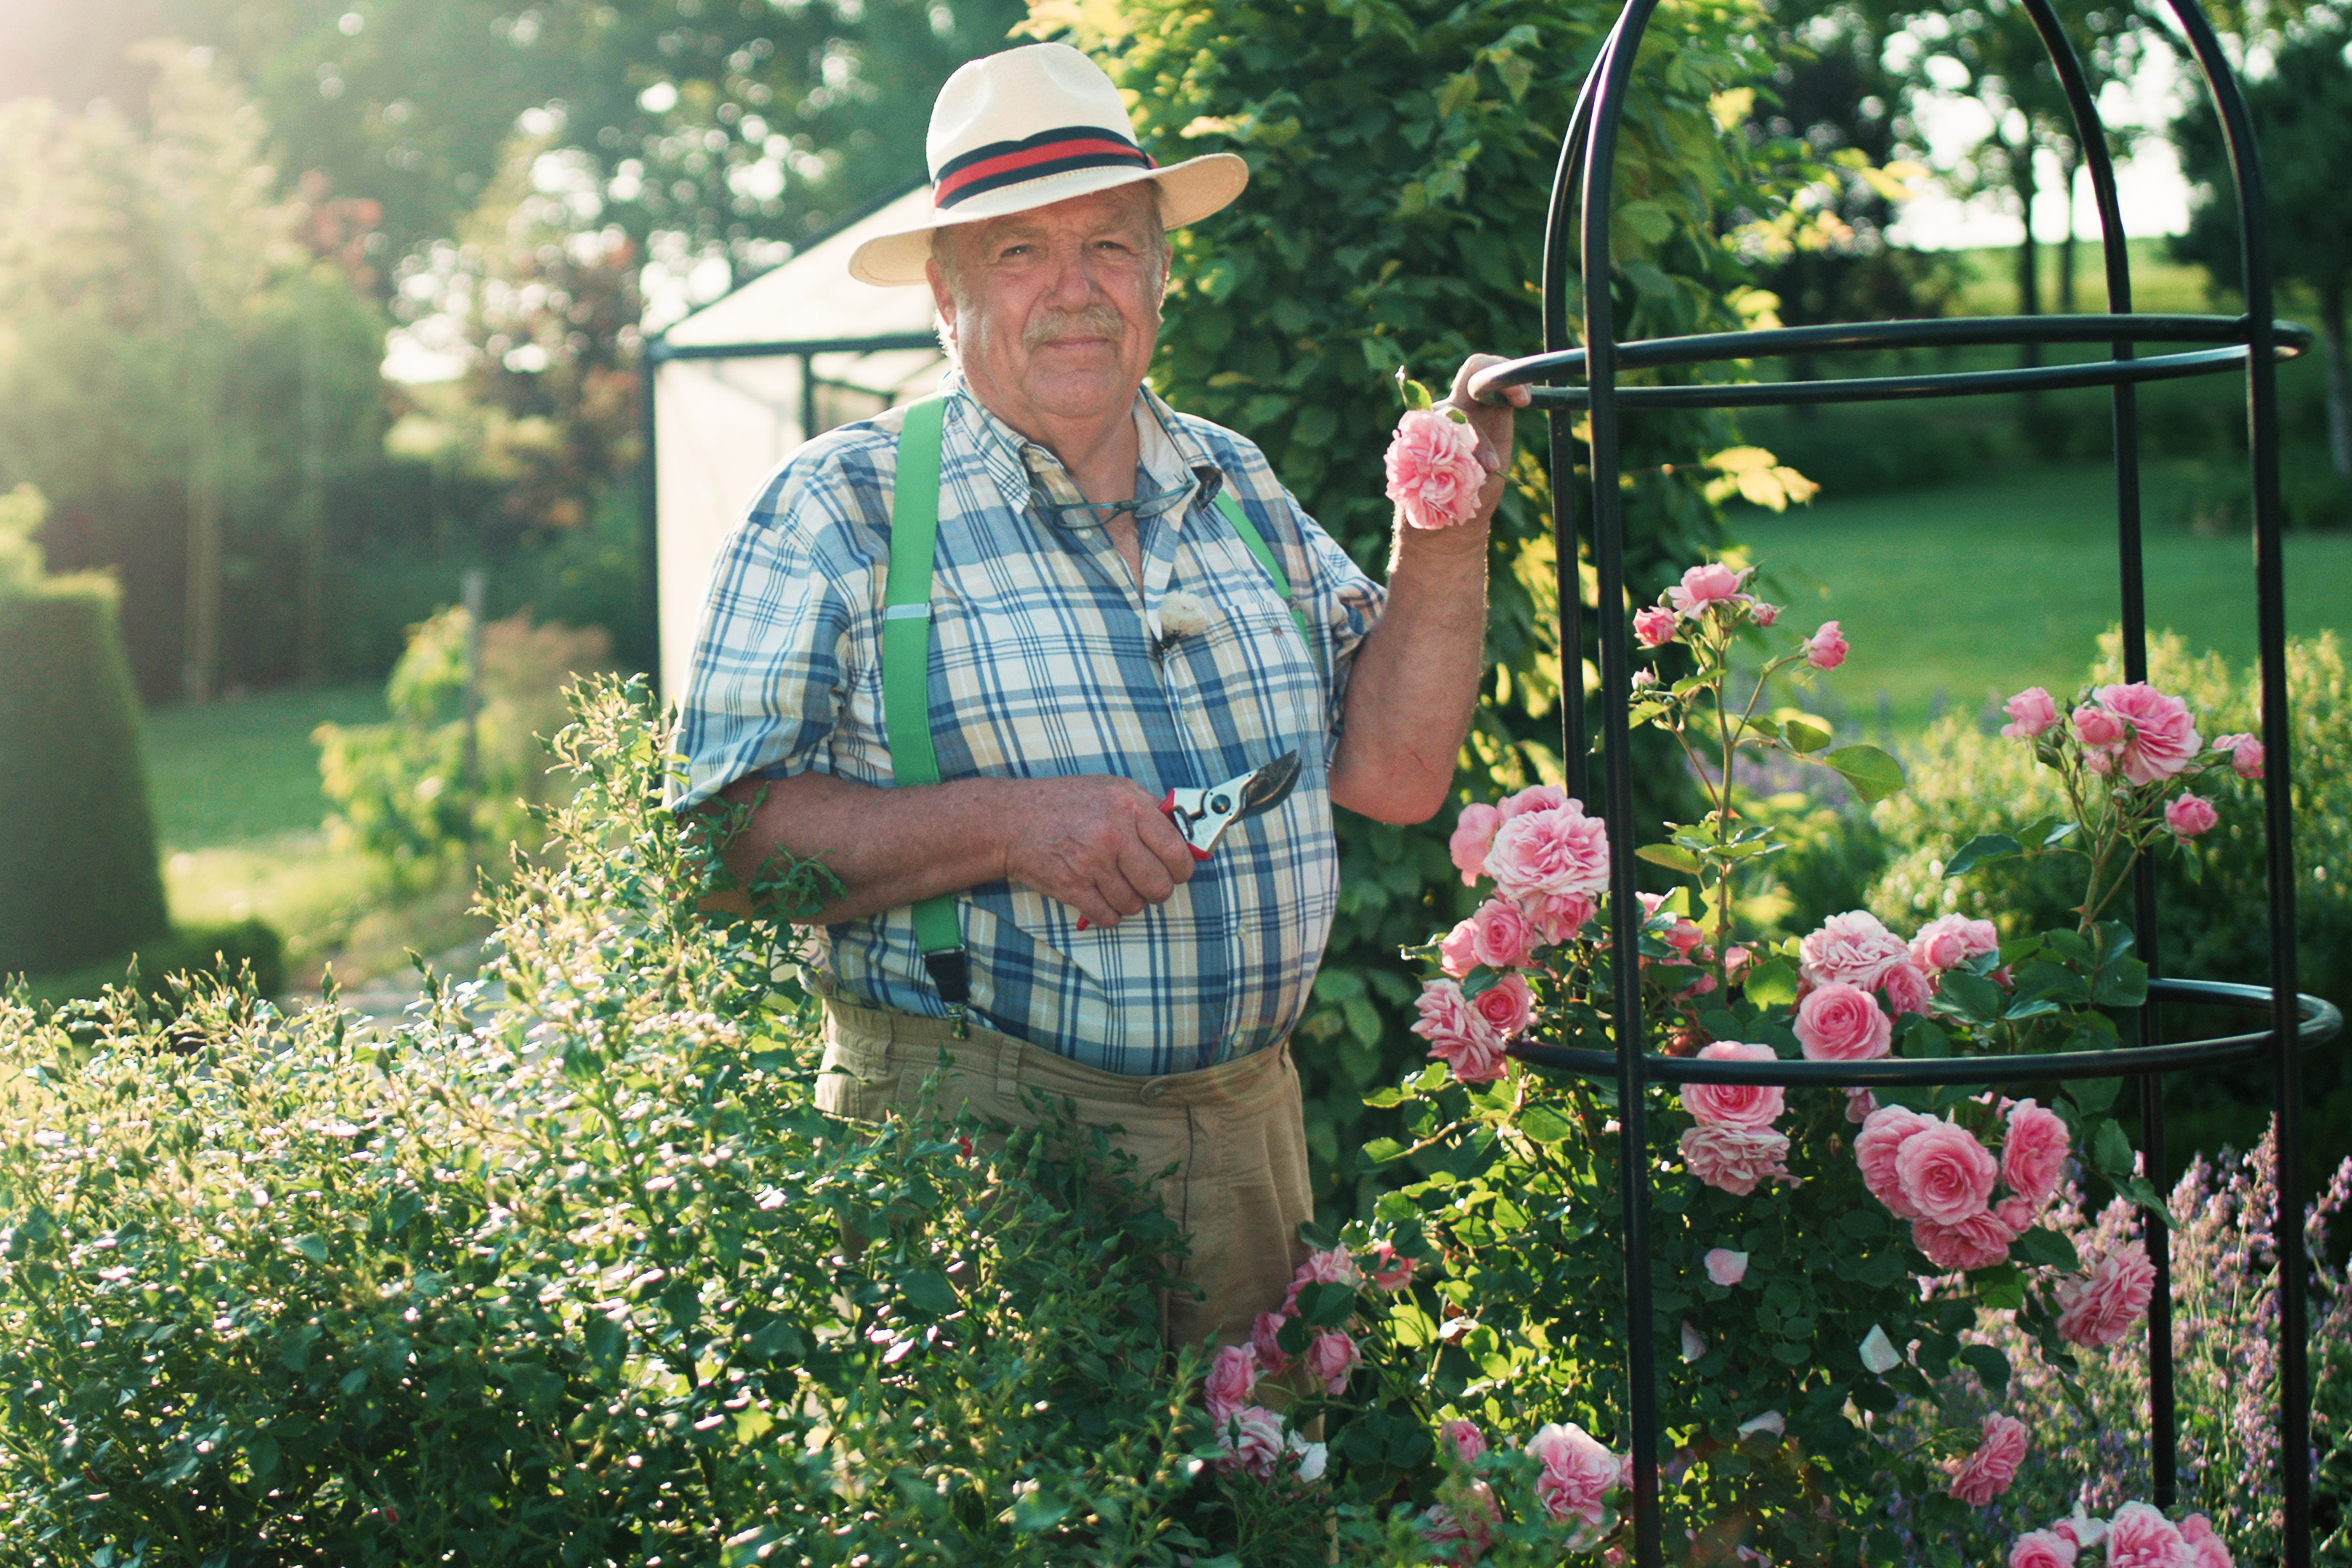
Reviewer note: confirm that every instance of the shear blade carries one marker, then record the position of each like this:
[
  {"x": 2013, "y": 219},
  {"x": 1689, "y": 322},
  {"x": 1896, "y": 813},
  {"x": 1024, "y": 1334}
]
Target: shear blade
[{"x": 1269, "y": 786}]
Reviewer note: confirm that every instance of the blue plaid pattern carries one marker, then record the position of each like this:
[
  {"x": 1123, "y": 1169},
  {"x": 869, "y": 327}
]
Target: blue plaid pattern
[{"x": 1044, "y": 662}]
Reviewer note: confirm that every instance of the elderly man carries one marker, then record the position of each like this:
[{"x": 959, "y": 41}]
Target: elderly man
[{"x": 1097, "y": 629}]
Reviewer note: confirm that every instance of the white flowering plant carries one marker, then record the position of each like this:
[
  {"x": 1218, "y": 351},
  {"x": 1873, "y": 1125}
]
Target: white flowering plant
[{"x": 1791, "y": 1229}]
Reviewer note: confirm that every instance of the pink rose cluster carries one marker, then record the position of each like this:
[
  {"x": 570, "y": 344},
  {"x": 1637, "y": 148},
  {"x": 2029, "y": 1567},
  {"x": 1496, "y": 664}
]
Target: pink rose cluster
[
  {"x": 2135, "y": 1536},
  {"x": 2145, "y": 734},
  {"x": 1715, "y": 588},
  {"x": 1858, "y": 977},
  {"x": 1250, "y": 1436},
  {"x": 1734, "y": 1147},
  {"x": 1939, "y": 1175},
  {"x": 1434, "y": 471},
  {"x": 1577, "y": 1476},
  {"x": 1550, "y": 864}
]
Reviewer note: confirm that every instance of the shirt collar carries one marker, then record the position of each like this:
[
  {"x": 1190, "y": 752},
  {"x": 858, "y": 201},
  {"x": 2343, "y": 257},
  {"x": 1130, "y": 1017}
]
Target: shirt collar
[{"x": 1172, "y": 473}]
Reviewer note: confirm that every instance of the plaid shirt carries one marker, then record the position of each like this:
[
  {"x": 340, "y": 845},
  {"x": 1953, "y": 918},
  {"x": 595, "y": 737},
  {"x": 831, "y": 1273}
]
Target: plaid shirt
[{"x": 1046, "y": 661}]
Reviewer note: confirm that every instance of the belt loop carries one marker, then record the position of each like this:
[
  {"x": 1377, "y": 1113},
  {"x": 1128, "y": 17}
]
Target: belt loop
[{"x": 1008, "y": 1071}]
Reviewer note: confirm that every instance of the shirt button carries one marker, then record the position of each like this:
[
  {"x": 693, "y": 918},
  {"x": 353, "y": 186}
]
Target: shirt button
[{"x": 1154, "y": 1089}]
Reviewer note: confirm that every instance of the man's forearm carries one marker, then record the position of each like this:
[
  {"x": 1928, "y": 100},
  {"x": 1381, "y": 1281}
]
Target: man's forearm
[
  {"x": 1096, "y": 843},
  {"x": 888, "y": 848},
  {"x": 1414, "y": 682}
]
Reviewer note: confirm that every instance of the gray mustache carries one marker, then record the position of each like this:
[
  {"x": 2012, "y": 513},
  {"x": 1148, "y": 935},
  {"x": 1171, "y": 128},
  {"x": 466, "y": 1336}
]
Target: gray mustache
[{"x": 1095, "y": 321}]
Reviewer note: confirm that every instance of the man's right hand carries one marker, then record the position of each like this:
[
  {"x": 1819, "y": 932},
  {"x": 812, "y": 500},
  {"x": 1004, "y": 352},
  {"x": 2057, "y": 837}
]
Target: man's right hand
[{"x": 1096, "y": 842}]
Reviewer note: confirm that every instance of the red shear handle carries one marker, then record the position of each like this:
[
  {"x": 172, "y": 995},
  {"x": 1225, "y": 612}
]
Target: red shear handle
[{"x": 1168, "y": 810}]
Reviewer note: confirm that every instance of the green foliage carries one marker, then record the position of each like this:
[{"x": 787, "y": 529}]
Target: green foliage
[
  {"x": 1965, "y": 782},
  {"x": 560, "y": 1280},
  {"x": 1402, "y": 157},
  {"x": 403, "y": 792},
  {"x": 78, "y": 871}
]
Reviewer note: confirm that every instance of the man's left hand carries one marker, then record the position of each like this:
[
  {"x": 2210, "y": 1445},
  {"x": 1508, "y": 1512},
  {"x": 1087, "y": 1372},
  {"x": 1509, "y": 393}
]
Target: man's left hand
[{"x": 1493, "y": 422}]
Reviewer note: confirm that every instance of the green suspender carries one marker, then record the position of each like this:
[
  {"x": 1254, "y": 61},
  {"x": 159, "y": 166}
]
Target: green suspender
[
  {"x": 907, "y": 669},
  {"x": 906, "y": 658}
]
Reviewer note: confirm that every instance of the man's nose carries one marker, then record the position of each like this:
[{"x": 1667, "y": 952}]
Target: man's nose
[{"x": 1075, "y": 278}]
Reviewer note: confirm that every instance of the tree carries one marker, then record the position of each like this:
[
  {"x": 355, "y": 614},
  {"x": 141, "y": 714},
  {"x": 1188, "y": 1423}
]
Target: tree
[
  {"x": 2302, "y": 112},
  {"x": 159, "y": 318}
]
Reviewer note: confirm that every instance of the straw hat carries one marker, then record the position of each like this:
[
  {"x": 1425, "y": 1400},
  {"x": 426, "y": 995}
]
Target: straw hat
[{"x": 1028, "y": 128}]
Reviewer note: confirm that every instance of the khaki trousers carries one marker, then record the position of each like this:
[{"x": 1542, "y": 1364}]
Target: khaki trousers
[{"x": 1233, "y": 1133}]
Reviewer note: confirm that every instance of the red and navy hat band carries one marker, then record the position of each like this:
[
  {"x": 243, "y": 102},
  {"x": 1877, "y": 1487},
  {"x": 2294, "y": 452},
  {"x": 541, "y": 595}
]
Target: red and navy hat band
[{"x": 1001, "y": 163}]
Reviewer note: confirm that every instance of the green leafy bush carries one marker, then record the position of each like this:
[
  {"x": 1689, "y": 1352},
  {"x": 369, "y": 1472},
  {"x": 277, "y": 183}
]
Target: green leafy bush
[
  {"x": 561, "y": 1280},
  {"x": 77, "y": 866},
  {"x": 404, "y": 794},
  {"x": 249, "y": 948}
]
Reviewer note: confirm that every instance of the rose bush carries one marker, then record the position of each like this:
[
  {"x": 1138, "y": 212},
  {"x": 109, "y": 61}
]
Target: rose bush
[{"x": 1791, "y": 1229}]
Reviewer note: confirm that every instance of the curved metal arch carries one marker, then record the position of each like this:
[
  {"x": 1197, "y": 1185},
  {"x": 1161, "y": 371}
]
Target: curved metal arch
[{"x": 1581, "y": 191}]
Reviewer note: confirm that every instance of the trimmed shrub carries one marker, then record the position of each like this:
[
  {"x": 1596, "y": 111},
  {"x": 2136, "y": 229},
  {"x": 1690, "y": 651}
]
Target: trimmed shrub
[
  {"x": 78, "y": 865},
  {"x": 160, "y": 968}
]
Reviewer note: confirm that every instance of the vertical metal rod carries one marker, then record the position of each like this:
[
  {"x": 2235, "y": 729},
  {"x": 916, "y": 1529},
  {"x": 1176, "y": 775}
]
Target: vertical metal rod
[
  {"x": 1614, "y": 67},
  {"x": 1574, "y": 748},
  {"x": 2270, "y": 614},
  {"x": 2090, "y": 136}
]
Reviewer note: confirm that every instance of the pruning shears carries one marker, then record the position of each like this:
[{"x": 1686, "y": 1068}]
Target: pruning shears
[{"x": 1202, "y": 816}]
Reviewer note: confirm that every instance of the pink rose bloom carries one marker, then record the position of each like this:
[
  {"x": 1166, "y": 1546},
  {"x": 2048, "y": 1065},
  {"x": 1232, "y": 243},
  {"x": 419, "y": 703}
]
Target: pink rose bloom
[
  {"x": 1949, "y": 940},
  {"x": 1270, "y": 1359},
  {"x": 1842, "y": 1023},
  {"x": 1388, "y": 1270},
  {"x": 1331, "y": 1358},
  {"x": 2190, "y": 815},
  {"x": 1851, "y": 947},
  {"x": 1561, "y": 915},
  {"x": 2100, "y": 1306},
  {"x": 2140, "y": 1537},
  {"x": 1702, "y": 586},
  {"x": 2017, "y": 1214},
  {"x": 2197, "y": 1531},
  {"x": 1473, "y": 831},
  {"x": 1507, "y": 1006},
  {"x": 1762, "y": 614},
  {"x": 1979, "y": 1241},
  {"x": 1545, "y": 854},
  {"x": 2163, "y": 740},
  {"x": 2096, "y": 727},
  {"x": 2041, "y": 1549},
  {"x": 1734, "y": 1159},
  {"x": 2033, "y": 1155},
  {"x": 1435, "y": 475},
  {"x": 1906, "y": 989},
  {"x": 2246, "y": 757},
  {"x": 1826, "y": 648},
  {"x": 1882, "y": 1138},
  {"x": 1251, "y": 1439},
  {"x": 1501, "y": 935},
  {"x": 1861, "y": 1105},
  {"x": 1684, "y": 935},
  {"x": 1232, "y": 1376},
  {"x": 1465, "y": 1438},
  {"x": 1645, "y": 679},
  {"x": 1457, "y": 1034},
  {"x": 1455, "y": 952},
  {"x": 1749, "y": 1107},
  {"x": 1653, "y": 627},
  {"x": 1725, "y": 1267},
  {"x": 1468, "y": 1530},
  {"x": 1946, "y": 1174},
  {"x": 1578, "y": 1472},
  {"x": 1987, "y": 1473},
  {"x": 1332, "y": 1266},
  {"x": 1537, "y": 797},
  {"x": 2030, "y": 711}
]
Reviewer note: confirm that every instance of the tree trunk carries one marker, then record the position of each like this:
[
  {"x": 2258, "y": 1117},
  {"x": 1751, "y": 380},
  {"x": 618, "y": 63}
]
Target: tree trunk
[
  {"x": 313, "y": 502},
  {"x": 2339, "y": 381}
]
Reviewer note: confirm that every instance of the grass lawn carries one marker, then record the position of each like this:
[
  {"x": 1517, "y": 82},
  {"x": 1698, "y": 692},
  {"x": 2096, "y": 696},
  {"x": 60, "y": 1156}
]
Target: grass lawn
[
  {"x": 239, "y": 811},
  {"x": 1964, "y": 595}
]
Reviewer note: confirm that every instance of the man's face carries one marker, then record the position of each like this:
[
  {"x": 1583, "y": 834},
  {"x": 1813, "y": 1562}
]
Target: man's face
[{"x": 1054, "y": 312}]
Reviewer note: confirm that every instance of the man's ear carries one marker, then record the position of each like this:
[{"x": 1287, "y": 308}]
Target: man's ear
[{"x": 943, "y": 297}]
